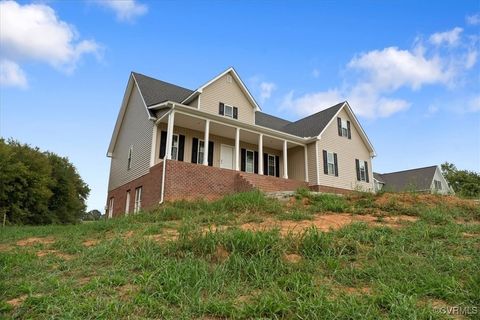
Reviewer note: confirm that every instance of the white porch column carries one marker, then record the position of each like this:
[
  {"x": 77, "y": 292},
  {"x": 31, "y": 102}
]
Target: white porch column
[
  {"x": 306, "y": 163},
  {"x": 260, "y": 154},
  {"x": 237, "y": 149},
  {"x": 171, "y": 121},
  {"x": 285, "y": 161},
  {"x": 205, "y": 143},
  {"x": 154, "y": 145}
]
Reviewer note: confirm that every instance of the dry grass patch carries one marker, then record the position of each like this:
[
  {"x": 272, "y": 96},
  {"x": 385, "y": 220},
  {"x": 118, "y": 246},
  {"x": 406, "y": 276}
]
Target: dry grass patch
[
  {"x": 221, "y": 254},
  {"x": 34, "y": 240},
  {"x": 90, "y": 243},
  {"x": 5, "y": 247},
  {"x": 64, "y": 256},
  {"x": 292, "y": 258},
  {"x": 166, "y": 235},
  {"x": 126, "y": 291}
]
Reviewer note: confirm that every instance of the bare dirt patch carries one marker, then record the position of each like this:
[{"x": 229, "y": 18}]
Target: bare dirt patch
[
  {"x": 326, "y": 222},
  {"x": 247, "y": 297},
  {"x": 469, "y": 235},
  {"x": 64, "y": 256},
  {"x": 292, "y": 258},
  {"x": 166, "y": 235},
  {"x": 431, "y": 200},
  {"x": 355, "y": 290},
  {"x": 34, "y": 240},
  {"x": 16, "y": 302},
  {"x": 128, "y": 234},
  {"x": 126, "y": 291},
  {"x": 213, "y": 228},
  {"x": 5, "y": 247},
  {"x": 440, "y": 305},
  {"x": 90, "y": 243},
  {"x": 83, "y": 281},
  {"x": 221, "y": 254}
]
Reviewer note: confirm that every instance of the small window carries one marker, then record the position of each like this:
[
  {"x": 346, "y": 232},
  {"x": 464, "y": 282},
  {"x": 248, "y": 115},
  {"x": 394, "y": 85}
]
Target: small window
[
  {"x": 438, "y": 184},
  {"x": 201, "y": 151},
  {"x": 228, "y": 111},
  {"x": 249, "y": 164},
  {"x": 129, "y": 159},
  {"x": 110, "y": 207},
  {"x": 344, "y": 128},
  {"x": 271, "y": 165},
  {"x": 175, "y": 147},
  {"x": 127, "y": 203},
  {"x": 363, "y": 172},
  {"x": 138, "y": 200},
  {"x": 331, "y": 163}
]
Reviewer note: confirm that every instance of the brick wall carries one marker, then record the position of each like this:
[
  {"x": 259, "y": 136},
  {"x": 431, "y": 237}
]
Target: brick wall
[{"x": 326, "y": 189}]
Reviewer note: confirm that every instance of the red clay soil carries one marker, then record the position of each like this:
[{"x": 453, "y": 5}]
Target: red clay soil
[
  {"x": 34, "y": 240},
  {"x": 431, "y": 200}
]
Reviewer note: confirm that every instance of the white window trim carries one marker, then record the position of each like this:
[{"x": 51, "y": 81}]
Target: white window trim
[
  {"x": 175, "y": 156},
  {"x": 225, "y": 110},
  {"x": 127, "y": 203},
  {"x": 129, "y": 158},
  {"x": 246, "y": 160},
  {"x": 198, "y": 151},
  {"x": 274, "y": 165},
  {"x": 138, "y": 200},
  {"x": 344, "y": 127},
  {"x": 331, "y": 163}
]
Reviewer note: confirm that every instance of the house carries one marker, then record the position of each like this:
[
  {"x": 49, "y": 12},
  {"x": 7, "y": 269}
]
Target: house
[
  {"x": 172, "y": 143},
  {"x": 428, "y": 179}
]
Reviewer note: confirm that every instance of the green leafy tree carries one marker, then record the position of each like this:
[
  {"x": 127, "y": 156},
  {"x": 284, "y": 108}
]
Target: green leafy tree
[
  {"x": 92, "y": 215},
  {"x": 465, "y": 183}
]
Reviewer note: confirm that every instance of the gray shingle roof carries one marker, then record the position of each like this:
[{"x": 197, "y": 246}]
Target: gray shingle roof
[
  {"x": 310, "y": 126},
  {"x": 156, "y": 91},
  {"x": 413, "y": 179},
  {"x": 378, "y": 177}
]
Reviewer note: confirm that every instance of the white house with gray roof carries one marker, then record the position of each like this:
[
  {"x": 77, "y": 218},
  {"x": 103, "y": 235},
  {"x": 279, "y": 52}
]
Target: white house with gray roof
[{"x": 221, "y": 127}]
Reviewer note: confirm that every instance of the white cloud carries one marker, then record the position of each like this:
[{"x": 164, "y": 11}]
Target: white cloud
[
  {"x": 474, "y": 19},
  {"x": 473, "y": 104},
  {"x": 311, "y": 102},
  {"x": 34, "y": 32},
  {"x": 11, "y": 75},
  {"x": 266, "y": 89},
  {"x": 450, "y": 37},
  {"x": 125, "y": 10}
]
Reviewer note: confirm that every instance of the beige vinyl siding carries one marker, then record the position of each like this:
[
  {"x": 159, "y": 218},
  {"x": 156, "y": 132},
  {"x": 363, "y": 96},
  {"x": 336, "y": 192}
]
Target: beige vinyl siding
[
  {"x": 194, "y": 103},
  {"x": 296, "y": 163},
  {"x": 229, "y": 93},
  {"x": 312, "y": 163},
  {"x": 347, "y": 151},
  {"x": 217, "y": 140},
  {"x": 136, "y": 130},
  {"x": 445, "y": 187}
]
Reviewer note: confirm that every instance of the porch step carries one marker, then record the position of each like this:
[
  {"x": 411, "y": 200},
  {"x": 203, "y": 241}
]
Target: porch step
[{"x": 271, "y": 184}]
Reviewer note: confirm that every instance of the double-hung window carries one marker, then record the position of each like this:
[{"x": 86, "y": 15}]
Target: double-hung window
[
  {"x": 175, "y": 147},
  {"x": 438, "y": 184},
  {"x": 331, "y": 163},
  {"x": 271, "y": 165},
  {"x": 228, "y": 111},
  {"x": 201, "y": 151},
  {"x": 138, "y": 200},
  {"x": 249, "y": 161},
  {"x": 363, "y": 172},
  {"x": 344, "y": 128}
]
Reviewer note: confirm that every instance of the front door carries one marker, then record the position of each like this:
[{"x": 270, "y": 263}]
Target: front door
[{"x": 226, "y": 157}]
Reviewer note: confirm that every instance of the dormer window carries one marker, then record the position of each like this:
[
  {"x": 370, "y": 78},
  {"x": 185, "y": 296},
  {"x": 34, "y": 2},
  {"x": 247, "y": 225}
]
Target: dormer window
[
  {"x": 227, "y": 110},
  {"x": 344, "y": 128}
]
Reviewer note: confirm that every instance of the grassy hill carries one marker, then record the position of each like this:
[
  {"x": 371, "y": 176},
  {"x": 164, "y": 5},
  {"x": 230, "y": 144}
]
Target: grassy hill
[{"x": 400, "y": 256}]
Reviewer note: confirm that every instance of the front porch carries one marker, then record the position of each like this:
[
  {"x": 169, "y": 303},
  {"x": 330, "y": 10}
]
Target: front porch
[{"x": 186, "y": 137}]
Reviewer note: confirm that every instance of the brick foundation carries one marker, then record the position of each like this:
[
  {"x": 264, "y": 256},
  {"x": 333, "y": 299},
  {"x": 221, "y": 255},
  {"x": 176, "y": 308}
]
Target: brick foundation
[{"x": 327, "y": 189}]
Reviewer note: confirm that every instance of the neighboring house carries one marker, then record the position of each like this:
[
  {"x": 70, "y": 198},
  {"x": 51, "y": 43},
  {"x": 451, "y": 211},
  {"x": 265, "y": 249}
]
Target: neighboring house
[
  {"x": 428, "y": 179},
  {"x": 174, "y": 143}
]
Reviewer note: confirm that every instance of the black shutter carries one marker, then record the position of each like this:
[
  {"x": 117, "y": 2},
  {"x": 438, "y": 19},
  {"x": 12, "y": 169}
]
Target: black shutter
[
  {"x": 277, "y": 166},
  {"x": 194, "y": 150},
  {"x": 325, "y": 162},
  {"x": 210, "y": 153},
  {"x": 221, "y": 108},
  {"x": 339, "y": 123},
  {"x": 265, "y": 164},
  {"x": 243, "y": 158},
  {"x": 336, "y": 164},
  {"x": 181, "y": 147},
  {"x": 366, "y": 172},
  {"x": 357, "y": 166},
  {"x": 255, "y": 162},
  {"x": 348, "y": 129},
  {"x": 235, "y": 113},
  {"x": 163, "y": 144}
]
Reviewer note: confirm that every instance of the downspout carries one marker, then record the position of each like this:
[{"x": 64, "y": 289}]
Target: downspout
[{"x": 163, "y": 179}]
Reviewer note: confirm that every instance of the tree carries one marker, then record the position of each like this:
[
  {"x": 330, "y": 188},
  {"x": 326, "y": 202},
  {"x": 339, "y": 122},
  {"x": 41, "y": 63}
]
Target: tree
[
  {"x": 39, "y": 187},
  {"x": 92, "y": 215},
  {"x": 465, "y": 183}
]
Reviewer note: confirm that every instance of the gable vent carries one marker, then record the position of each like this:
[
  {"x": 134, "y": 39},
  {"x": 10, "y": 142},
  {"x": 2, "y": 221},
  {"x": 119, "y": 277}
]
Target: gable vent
[{"x": 229, "y": 78}]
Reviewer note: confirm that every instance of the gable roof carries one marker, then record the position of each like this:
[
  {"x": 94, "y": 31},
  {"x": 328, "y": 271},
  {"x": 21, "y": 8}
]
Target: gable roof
[
  {"x": 269, "y": 121},
  {"x": 156, "y": 91},
  {"x": 419, "y": 179},
  {"x": 378, "y": 176}
]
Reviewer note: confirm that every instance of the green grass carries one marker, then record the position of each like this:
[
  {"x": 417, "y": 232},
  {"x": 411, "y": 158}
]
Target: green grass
[{"x": 356, "y": 272}]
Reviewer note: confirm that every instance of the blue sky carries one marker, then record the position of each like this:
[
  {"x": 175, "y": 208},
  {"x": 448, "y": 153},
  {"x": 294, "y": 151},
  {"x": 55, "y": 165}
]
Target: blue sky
[{"x": 409, "y": 69}]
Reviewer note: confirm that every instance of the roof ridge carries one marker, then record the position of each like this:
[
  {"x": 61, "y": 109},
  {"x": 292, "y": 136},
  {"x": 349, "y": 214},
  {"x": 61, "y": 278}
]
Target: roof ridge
[
  {"x": 169, "y": 83},
  {"x": 401, "y": 171}
]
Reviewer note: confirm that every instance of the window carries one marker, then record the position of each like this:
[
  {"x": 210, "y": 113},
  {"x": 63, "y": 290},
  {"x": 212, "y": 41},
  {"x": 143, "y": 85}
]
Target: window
[
  {"x": 127, "y": 203},
  {"x": 438, "y": 184},
  {"x": 344, "y": 128},
  {"x": 110, "y": 207},
  {"x": 363, "y": 173},
  {"x": 201, "y": 151},
  {"x": 331, "y": 163},
  {"x": 228, "y": 111},
  {"x": 175, "y": 147},
  {"x": 271, "y": 165},
  {"x": 249, "y": 163},
  {"x": 129, "y": 159},
  {"x": 138, "y": 200}
]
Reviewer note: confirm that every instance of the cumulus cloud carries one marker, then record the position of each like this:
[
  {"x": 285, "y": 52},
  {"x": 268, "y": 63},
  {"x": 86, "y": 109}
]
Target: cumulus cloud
[
  {"x": 266, "y": 89},
  {"x": 474, "y": 19},
  {"x": 374, "y": 76},
  {"x": 125, "y": 10},
  {"x": 11, "y": 75},
  {"x": 451, "y": 37},
  {"x": 34, "y": 32}
]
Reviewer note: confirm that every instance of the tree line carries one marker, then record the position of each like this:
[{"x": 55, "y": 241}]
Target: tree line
[{"x": 39, "y": 187}]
